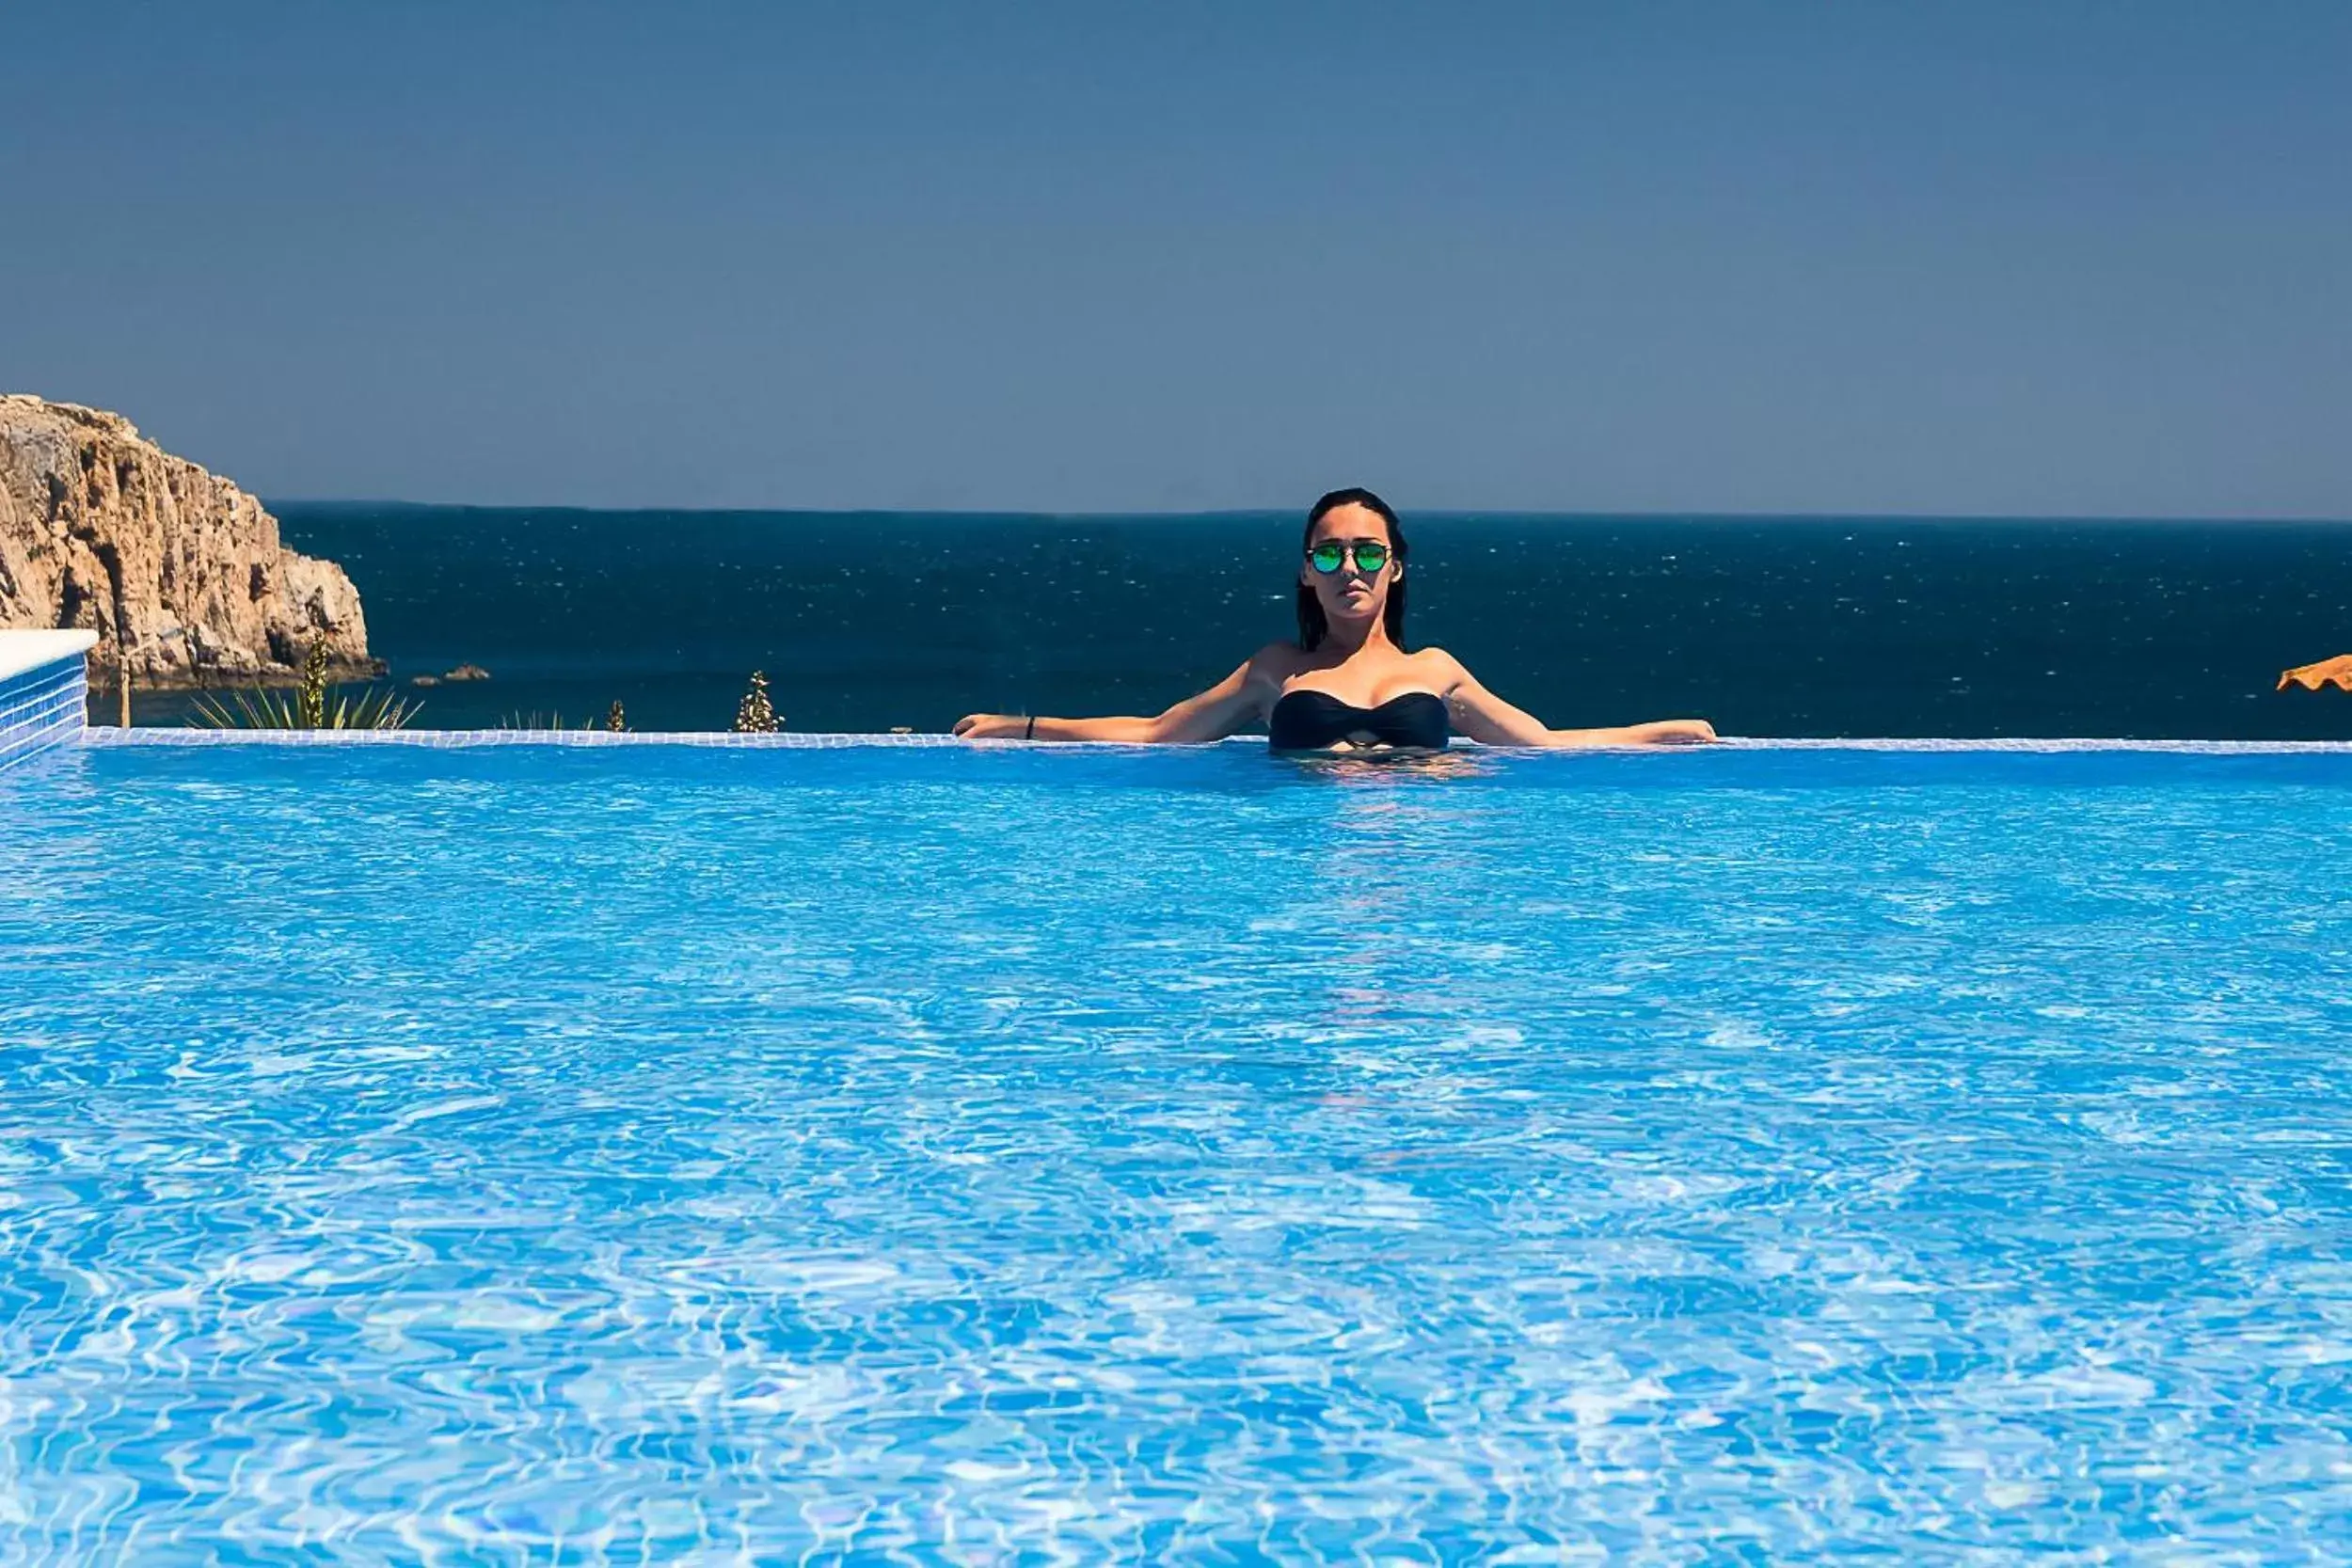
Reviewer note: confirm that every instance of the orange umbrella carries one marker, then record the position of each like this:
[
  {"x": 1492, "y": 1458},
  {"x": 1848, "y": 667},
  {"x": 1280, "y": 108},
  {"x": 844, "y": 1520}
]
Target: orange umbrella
[{"x": 2313, "y": 676}]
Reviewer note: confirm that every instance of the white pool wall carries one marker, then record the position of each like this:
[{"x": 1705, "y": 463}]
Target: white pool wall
[{"x": 45, "y": 691}]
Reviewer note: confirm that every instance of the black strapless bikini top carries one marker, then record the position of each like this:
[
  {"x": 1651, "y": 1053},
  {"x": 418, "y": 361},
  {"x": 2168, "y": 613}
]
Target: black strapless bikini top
[{"x": 1313, "y": 721}]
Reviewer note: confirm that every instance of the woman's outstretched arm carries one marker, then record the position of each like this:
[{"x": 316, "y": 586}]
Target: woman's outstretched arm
[
  {"x": 1212, "y": 715},
  {"x": 1482, "y": 715}
]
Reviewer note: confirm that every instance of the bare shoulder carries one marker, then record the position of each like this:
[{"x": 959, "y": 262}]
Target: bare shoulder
[
  {"x": 1274, "y": 663},
  {"x": 1442, "y": 670}
]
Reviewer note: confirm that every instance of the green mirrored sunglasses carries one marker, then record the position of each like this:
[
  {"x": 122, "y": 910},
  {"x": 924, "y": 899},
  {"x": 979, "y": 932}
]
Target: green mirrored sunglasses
[{"x": 1371, "y": 555}]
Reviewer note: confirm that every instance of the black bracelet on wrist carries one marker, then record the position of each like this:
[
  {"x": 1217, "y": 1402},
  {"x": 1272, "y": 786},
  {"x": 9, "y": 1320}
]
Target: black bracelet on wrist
[{"x": 1031, "y": 733}]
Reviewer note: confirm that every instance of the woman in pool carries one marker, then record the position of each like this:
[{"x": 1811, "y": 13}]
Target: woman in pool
[{"x": 1347, "y": 684}]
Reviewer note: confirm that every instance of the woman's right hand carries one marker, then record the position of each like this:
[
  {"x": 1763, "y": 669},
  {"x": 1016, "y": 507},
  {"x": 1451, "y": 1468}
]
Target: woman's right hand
[{"x": 990, "y": 726}]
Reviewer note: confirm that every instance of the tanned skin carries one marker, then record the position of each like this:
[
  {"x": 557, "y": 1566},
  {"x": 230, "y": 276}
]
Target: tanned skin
[{"x": 1356, "y": 663}]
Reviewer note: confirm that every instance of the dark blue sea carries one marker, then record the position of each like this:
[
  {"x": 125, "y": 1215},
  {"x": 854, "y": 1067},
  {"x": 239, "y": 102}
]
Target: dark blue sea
[{"x": 1769, "y": 626}]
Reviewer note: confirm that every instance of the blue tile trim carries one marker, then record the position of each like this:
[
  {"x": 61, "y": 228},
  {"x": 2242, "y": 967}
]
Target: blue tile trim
[
  {"x": 798, "y": 741},
  {"x": 42, "y": 707},
  {"x": 447, "y": 740}
]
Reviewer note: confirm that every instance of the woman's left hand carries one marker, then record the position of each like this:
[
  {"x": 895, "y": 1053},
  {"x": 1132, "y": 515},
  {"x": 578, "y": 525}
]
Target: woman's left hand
[
  {"x": 1674, "y": 731},
  {"x": 990, "y": 726}
]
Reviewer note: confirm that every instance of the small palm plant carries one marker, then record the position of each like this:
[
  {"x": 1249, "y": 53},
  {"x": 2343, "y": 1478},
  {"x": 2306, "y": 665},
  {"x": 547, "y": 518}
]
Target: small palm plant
[
  {"x": 755, "y": 714},
  {"x": 616, "y": 720},
  {"x": 307, "y": 706}
]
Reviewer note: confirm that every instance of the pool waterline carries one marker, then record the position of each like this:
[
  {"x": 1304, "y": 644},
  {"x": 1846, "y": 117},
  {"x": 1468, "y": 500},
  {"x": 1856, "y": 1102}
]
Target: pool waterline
[{"x": 790, "y": 740}]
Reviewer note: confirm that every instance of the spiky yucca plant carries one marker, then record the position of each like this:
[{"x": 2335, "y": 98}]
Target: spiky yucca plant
[
  {"x": 755, "y": 714},
  {"x": 534, "y": 720},
  {"x": 307, "y": 706}
]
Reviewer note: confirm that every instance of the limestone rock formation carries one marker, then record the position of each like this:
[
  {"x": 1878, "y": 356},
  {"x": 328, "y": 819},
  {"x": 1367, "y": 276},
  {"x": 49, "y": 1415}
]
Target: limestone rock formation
[
  {"x": 174, "y": 566},
  {"x": 2311, "y": 677}
]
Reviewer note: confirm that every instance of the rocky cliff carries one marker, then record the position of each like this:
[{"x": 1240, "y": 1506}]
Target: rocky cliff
[{"x": 174, "y": 566}]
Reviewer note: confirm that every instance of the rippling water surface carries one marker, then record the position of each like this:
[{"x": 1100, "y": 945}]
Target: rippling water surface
[{"x": 655, "y": 1155}]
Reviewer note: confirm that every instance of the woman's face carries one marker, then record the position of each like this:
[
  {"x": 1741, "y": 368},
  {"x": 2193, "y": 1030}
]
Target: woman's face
[{"x": 1350, "y": 592}]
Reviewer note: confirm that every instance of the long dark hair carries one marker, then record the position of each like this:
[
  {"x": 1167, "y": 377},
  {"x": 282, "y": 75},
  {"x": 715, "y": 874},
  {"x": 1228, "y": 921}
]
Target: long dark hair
[{"x": 1312, "y": 626}]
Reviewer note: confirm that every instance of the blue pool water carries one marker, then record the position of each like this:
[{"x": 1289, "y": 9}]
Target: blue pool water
[{"x": 654, "y": 1154}]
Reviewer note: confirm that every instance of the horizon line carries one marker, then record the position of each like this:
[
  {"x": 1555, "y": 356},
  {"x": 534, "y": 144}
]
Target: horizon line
[{"x": 1454, "y": 512}]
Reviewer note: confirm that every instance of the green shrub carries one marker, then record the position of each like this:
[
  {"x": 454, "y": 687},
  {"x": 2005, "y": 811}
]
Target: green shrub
[
  {"x": 755, "y": 714},
  {"x": 308, "y": 706}
]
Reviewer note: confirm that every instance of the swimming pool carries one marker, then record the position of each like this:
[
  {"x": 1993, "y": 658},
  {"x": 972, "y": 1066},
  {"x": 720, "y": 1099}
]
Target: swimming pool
[{"x": 650, "y": 1153}]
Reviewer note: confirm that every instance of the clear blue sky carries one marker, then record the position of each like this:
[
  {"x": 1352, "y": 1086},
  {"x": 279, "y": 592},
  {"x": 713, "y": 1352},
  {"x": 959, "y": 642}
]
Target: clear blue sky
[{"x": 2086, "y": 259}]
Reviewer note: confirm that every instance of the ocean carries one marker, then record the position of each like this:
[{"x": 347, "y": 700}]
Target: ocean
[{"x": 1768, "y": 626}]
